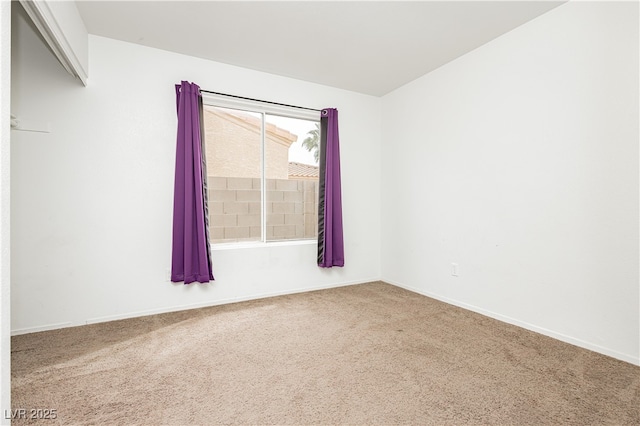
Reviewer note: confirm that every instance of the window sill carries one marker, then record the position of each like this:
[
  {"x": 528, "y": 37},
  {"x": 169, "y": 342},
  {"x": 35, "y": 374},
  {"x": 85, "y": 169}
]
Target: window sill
[{"x": 259, "y": 244}]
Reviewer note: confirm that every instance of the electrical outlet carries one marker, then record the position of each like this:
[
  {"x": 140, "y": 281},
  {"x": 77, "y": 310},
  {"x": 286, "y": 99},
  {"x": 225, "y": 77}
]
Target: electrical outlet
[{"x": 455, "y": 269}]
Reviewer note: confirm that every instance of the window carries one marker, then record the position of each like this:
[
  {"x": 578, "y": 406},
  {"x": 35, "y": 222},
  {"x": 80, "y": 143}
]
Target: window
[{"x": 262, "y": 175}]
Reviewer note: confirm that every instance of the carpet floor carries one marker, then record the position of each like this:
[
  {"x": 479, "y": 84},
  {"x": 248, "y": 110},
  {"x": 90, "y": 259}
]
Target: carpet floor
[{"x": 368, "y": 354}]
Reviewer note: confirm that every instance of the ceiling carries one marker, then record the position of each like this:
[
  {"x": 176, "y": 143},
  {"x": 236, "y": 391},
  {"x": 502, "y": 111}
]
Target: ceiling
[{"x": 371, "y": 47}]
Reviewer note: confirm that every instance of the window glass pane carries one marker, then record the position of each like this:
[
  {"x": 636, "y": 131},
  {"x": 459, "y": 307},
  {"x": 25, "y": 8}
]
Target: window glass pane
[
  {"x": 291, "y": 169},
  {"x": 234, "y": 171}
]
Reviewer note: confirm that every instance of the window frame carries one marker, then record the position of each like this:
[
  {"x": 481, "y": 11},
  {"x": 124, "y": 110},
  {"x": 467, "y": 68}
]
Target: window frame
[{"x": 263, "y": 108}]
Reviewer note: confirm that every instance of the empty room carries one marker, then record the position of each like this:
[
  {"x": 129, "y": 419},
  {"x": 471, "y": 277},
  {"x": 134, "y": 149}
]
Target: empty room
[{"x": 314, "y": 212}]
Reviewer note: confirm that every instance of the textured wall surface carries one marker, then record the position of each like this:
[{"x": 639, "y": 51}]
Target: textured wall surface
[{"x": 519, "y": 162}]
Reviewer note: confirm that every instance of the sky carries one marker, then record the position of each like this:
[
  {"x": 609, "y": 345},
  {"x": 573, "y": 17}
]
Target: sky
[{"x": 298, "y": 127}]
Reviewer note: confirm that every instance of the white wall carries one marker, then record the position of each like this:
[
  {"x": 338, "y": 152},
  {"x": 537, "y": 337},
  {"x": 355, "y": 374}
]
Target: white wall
[
  {"x": 92, "y": 200},
  {"x": 5, "y": 188},
  {"x": 519, "y": 162}
]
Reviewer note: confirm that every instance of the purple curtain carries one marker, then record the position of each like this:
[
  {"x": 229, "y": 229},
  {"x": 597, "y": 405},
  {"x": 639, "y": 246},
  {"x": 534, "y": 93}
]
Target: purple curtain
[
  {"x": 330, "y": 240},
  {"x": 191, "y": 256}
]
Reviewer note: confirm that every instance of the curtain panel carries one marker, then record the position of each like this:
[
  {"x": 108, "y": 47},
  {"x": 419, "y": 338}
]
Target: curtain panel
[
  {"x": 330, "y": 238},
  {"x": 191, "y": 253}
]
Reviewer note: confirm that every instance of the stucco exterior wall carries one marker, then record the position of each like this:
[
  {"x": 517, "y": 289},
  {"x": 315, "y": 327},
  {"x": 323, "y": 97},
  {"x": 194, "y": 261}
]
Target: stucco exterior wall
[{"x": 233, "y": 146}]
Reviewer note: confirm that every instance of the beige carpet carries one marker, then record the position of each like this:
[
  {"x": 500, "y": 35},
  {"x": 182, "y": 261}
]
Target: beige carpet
[{"x": 366, "y": 354}]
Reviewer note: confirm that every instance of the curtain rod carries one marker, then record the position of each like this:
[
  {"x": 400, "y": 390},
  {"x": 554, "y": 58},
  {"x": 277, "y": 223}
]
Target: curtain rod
[{"x": 259, "y": 100}]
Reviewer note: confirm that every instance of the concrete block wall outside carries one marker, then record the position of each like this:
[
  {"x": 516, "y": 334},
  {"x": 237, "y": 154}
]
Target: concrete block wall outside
[{"x": 235, "y": 209}]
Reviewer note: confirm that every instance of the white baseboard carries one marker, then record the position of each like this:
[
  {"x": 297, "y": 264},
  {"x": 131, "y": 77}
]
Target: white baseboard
[
  {"x": 175, "y": 308},
  {"x": 47, "y": 327},
  {"x": 550, "y": 333}
]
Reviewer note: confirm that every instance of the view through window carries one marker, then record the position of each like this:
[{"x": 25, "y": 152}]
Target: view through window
[{"x": 262, "y": 172}]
